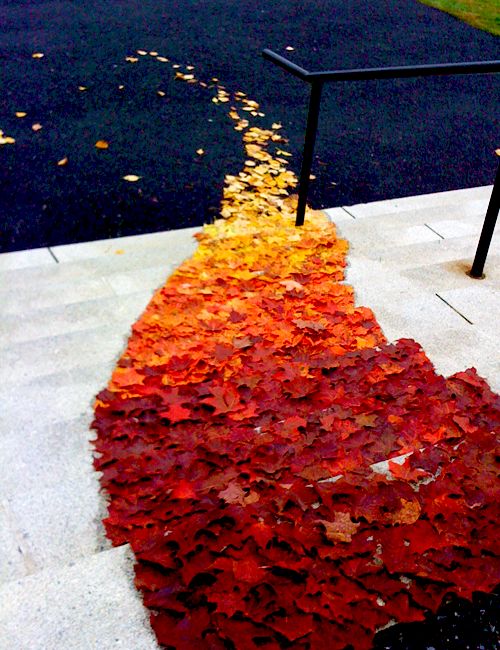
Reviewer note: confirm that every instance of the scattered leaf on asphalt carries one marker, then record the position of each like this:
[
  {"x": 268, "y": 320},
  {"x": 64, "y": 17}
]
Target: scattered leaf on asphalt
[
  {"x": 142, "y": 52},
  {"x": 121, "y": 87},
  {"x": 102, "y": 144},
  {"x": 82, "y": 88},
  {"x": 62, "y": 162},
  {"x": 131, "y": 178},
  {"x": 37, "y": 55},
  {"x": 289, "y": 48},
  {"x": 153, "y": 54},
  {"x": 36, "y": 127},
  {"x": 200, "y": 152},
  {"x": 20, "y": 114},
  {"x": 131, "y": 59},
  {"x": 5, "y": 139},
  {"x": 160, "y": 93}
]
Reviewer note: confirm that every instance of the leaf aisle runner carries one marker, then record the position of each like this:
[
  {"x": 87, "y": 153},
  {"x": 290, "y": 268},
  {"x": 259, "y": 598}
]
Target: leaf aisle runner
[{"x": 243, "y": 435}]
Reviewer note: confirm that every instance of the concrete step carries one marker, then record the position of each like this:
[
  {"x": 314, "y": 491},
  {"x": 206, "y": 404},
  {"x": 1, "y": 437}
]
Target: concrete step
[{"x": 88, "y": 604}]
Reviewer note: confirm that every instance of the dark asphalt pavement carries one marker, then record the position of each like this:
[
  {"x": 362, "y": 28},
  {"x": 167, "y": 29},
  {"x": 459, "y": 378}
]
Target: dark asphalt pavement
[{"x": 377, "y": 140}]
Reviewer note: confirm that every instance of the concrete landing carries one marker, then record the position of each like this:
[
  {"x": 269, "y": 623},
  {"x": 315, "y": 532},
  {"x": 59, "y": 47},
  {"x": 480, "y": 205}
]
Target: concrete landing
[{"x": 65, "y": 314}]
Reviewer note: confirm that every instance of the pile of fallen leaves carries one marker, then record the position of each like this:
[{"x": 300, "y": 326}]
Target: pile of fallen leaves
[{"x": 285, "y": 476}]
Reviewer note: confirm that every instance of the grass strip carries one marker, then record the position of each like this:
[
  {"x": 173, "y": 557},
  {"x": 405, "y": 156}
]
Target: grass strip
[{"x": 483, "y": 14}]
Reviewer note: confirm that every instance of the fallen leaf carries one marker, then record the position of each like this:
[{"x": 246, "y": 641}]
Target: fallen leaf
[
  {"x": 119, "y": 251},
  {"x": 200, "y": 152},
  {"x": 36, "y": 127},
  {"x": 62, "y": 162},
  {"x": 341, "y": 529},
  {"x": 132, "y": 178},
  {"x": 82, "y": 88},
  {"x": 102, "y": 144},
  {"x": 160, "y": 93},
  {"x": 153, "y": 54},
  {"x": 142, "y": 52},
  {"x": 38, "y": 55},
  {"x": 289, "y": 48},
  {"x": 131, "y": 59},
  {"x": 5, "y": 139},
  {"x": 20, "y": 114}
]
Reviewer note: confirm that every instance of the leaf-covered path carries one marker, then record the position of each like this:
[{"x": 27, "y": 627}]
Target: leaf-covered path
[{"x": 245, "y": 435}]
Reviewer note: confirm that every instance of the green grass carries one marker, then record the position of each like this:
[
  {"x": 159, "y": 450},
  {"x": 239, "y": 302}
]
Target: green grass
[{"x": 484, "y": 14}]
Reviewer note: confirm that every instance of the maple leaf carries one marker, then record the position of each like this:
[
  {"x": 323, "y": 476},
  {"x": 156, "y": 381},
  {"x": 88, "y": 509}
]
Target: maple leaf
[
  {"x": 407, "y": 513},
  {"x": 309, "y": 324},
  {"x": 176, "y": 413},
  {"x": 224, "y": 399},
  {"x": 234, "y": 493},
  {"x": 183, "y": 490},
  {"x": 341, "y": 529}
]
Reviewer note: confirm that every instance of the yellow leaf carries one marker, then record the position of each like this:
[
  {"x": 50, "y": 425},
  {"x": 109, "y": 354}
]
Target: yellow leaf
[
  {"x": 142, "y": 52},
  {"x": 121, "y": 87},
  {"x": 131, "y": 59},
  {"x": 200, "y": 152},
  {"x": 153, "y": 54},
  {"x": 175, "y": 66},
  {"x": 497, "y": 151},
  {"x": 215, "y": 100},
  {"x": 215, "y": 80},
  {"x": 277, "y": 125},
  {"x": 312, "y": 177},
  {"x": 190, "y": 67},
  {"x": 160, "y": 93},
  {"x": 102, "y": 144},
  {"x": 82, "y": 88},
  {"x": 36, "y": 127},
  {"x": 62, "y": 162},
  {"x": 37, "y": 55},
  {"x": 119, "y": 251},
  {"x": 289, "y": 48},
  {"x": 132, "y": 178},
  {"x": 20, "y": 114},
  {"x": 163, "y": 59},
  {"x": 5, "y": 139}
]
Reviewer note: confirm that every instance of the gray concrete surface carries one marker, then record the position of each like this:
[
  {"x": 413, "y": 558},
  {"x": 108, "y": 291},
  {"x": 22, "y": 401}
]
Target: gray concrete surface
[{"x": 64, "y": 318}]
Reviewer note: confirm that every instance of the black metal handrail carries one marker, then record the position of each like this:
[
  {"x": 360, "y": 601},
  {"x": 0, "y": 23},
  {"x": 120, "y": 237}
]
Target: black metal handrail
[{"x": 317, "y": 79}]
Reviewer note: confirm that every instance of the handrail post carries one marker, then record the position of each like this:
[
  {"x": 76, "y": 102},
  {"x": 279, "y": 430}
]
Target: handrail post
[
  {"x": 307, "y": 155},
  {"x": 490, "y": 220}
]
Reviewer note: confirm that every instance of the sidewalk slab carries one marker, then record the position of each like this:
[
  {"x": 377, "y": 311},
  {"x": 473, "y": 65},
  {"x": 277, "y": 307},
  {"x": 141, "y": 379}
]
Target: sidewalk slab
[
  {"x": 24, "y": 259},
  {"x": 91, "y": 604}
]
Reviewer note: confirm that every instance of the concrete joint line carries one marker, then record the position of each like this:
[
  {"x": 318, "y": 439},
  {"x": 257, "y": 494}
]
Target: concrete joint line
[
  {"x": 53, "y": 254},
  {"x": 455, "y": 310},
  {"x": 434, "y": 231}
]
